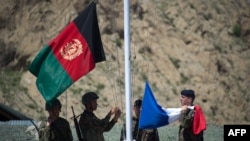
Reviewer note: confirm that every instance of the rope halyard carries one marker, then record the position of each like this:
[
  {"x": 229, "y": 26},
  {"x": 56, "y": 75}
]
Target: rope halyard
[{"x": 113, "y": 80}]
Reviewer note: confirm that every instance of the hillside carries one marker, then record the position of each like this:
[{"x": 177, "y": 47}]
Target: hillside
[{"x": 175, "y": 44}]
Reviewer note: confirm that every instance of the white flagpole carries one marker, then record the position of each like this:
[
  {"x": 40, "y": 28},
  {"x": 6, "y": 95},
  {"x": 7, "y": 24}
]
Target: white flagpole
[{"x": 127, "y": 70}]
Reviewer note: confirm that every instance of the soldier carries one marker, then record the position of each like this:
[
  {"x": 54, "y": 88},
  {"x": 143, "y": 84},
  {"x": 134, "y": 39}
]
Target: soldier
[
  {"x": 55, "y": 128},
  {"x": 192, "y": 121},
  {"x": 139, "y": 134},
  {"x": 92, "y": 127}
]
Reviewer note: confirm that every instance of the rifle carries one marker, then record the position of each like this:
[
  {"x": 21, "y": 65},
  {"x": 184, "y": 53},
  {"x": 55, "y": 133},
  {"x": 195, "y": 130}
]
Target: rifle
[{"x": 78, "y": 130}]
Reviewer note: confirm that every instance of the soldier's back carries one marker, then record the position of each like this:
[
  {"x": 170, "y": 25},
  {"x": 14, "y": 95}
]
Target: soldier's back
[{"x": 59, "y": 130}]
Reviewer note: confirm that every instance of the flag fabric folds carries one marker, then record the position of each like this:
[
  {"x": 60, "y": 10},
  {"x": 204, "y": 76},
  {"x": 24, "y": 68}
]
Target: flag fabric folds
[
  {"x": 70, "y": 55},
  {"x": 153, "y": 115},
  {"x": 199, "y": 123}
]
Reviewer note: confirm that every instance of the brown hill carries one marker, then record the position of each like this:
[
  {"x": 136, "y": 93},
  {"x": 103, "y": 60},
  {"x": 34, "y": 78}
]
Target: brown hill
[{"x": 175, "y": 44}]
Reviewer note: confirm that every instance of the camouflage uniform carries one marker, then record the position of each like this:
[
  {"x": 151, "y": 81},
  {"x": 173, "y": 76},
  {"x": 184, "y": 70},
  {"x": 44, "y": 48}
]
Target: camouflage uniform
[
  {"x": 92, "y": 127},
  {"x": 59, "y": 130},
  {"x": 141, "y": 134},
  {"x": 186, "y": 128}
]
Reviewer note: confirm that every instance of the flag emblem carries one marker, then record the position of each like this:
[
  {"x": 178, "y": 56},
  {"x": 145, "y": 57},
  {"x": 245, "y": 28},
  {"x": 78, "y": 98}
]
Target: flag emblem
[{"x": 71, "y": 50}]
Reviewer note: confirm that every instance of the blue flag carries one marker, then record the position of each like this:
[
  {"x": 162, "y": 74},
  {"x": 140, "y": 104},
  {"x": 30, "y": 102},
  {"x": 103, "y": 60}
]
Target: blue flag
[{"x": 153, "y": 115}]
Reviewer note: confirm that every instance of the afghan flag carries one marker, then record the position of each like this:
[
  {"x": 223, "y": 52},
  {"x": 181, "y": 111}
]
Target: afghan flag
[{"x": 70, "y": 55}]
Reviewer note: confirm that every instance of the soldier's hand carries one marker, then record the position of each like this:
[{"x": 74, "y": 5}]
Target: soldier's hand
[
  {"x": 113, "y": 110},
  {"x": 184, "y": 107},
  {"x": 117, "y": 114}
]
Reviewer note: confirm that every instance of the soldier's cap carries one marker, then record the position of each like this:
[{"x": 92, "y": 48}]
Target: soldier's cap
[
  {"x": 52, "y": 104},
  {"x": 88, "y": 97},
  {"x": 138, "y": 103},
  {"x": 188, "y": 93}
]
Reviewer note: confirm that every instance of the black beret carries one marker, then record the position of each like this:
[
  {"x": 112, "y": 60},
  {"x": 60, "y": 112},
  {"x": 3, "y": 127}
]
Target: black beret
[
  {"x": 188, "y": 93},
  {"x": 138, "y": 102}
]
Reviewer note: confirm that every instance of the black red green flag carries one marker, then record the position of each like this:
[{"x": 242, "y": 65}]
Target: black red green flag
[{"x": 70, "y": 55}]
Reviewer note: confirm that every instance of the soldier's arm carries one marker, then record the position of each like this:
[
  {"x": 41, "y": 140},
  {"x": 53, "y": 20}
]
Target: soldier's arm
[
  {"x": 98, "y": 124},
  {"x": 186, "y": 118},
  {"x": 117, "y": 113},
  {"x": 45, "y": 132},
  {"x": 110, "y": 125}
]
